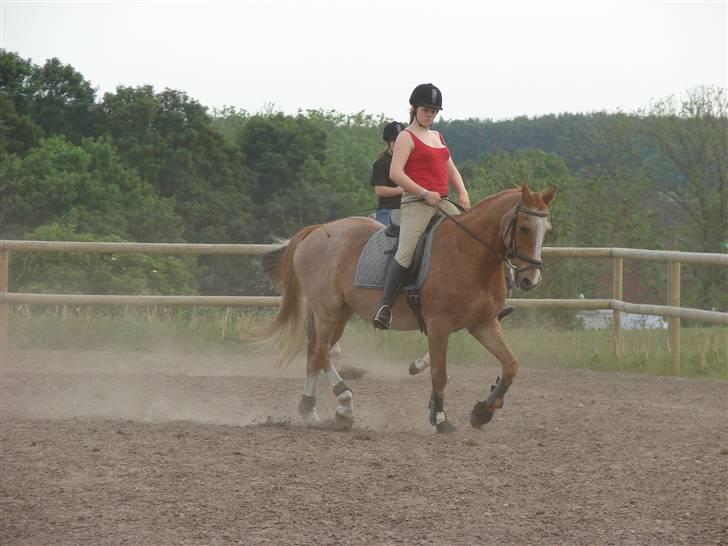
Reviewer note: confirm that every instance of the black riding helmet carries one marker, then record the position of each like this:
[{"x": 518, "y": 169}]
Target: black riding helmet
[
  {"x": 428, "y": 95},
  {"x": 391, "y": 130}
]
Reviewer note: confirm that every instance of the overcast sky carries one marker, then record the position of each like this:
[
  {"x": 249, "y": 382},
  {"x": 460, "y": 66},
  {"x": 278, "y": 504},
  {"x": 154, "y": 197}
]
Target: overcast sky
[{"x": 491, "y": 58}]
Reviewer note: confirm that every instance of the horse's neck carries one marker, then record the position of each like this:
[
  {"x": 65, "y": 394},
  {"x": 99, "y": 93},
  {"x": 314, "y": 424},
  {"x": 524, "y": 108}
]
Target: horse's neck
[{"x": 484, "y": 222}]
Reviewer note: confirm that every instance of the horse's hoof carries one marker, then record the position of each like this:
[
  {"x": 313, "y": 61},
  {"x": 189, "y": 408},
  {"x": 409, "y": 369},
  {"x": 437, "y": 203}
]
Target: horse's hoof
[
  {"x": 418, "y": 366},
  {"x": 312, "y": 418},
  {"x": 343, "y": 422},
  {"x": 480, "y": 415},
  {"x": 445, "y": 427},
  {"x": 307, "y": 406}
]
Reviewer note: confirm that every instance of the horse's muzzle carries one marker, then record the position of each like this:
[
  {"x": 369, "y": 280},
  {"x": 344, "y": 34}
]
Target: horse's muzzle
[{"x": 525, "y": 283}]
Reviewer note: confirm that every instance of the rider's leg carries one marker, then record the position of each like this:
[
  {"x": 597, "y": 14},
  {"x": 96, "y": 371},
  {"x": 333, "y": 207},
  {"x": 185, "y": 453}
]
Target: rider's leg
[
  {"x": 415, "y": 215},
  {"x": 396, "y": 276}
]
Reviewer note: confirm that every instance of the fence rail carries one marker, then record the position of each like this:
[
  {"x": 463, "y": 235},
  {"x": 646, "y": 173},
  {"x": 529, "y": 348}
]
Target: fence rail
[{"x": 672, "y": 310}]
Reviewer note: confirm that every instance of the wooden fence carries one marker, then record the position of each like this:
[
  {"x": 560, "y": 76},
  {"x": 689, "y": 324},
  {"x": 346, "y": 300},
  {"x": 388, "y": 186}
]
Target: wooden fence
[{"x": 672, "y": 309}]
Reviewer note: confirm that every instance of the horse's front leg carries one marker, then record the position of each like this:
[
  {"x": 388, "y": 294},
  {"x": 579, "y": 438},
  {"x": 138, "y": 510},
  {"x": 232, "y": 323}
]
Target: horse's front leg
[
  {"x": 437, "y": 341},
  {"x": 420, "y": 364},
  {"x": 491, "y": 337}
]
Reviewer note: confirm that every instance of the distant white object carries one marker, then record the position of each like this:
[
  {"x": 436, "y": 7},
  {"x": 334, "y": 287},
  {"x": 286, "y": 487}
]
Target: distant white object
[{"x": 602, "y": 319}]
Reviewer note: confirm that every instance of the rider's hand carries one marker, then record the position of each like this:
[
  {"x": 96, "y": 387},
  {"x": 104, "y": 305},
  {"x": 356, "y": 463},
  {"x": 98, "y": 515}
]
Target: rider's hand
[{"x": 432, "y": 198}]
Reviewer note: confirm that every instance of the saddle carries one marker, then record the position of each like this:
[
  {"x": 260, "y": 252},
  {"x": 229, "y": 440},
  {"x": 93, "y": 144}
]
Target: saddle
[{"x": 380, "y": 249}]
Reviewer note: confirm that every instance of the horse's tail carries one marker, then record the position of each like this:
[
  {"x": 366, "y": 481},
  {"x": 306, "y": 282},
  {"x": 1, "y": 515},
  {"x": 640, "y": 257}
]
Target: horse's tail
[
  {"x": 271, "y": 262},
  {"x": 287, "y": 332}
]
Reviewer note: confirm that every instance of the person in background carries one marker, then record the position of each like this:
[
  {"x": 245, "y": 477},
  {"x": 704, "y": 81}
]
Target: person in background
[{"x": 388, "y": 193}]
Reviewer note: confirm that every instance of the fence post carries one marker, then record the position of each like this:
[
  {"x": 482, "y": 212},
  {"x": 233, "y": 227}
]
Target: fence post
[
  {"x": 617, "y": 270},
  {"x": 674, "y": 322},
  {"x": 4, "y": 258}
]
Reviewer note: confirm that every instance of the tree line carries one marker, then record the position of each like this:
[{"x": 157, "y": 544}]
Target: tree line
[{"x": 145, "y": 165}]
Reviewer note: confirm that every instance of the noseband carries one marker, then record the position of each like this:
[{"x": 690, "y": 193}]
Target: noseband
[{"x": 513, "y": 247}]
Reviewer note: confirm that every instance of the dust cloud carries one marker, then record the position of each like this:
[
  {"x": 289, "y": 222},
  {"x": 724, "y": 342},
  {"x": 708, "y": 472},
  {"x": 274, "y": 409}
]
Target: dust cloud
[{"x": 226, "y": 389}]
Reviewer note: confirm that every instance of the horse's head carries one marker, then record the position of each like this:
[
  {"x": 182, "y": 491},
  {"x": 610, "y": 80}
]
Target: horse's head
[{"x": 524, "y": 228}]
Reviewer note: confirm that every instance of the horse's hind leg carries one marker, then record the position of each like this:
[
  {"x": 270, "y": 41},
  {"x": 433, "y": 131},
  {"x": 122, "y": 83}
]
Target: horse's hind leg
[
  {"x": 322, "y": 334},
  {"x": 336, "y": 350},
  {"x": 307, "y": 405},
  {"x": 328, "y": 331},
  {"x": 491, "y": 337}
]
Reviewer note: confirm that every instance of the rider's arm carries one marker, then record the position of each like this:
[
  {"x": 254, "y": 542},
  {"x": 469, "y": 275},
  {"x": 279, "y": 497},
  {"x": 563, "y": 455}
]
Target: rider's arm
[
  {"x": 456, "y": 181},
  {"x": 387, "y": 191},
  {"x": 380, "y": 180},
  {"x": 402, "y": 149}
]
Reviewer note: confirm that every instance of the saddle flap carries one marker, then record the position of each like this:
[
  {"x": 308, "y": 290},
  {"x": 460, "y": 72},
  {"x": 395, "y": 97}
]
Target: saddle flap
[{"x": 380, "y": 248}]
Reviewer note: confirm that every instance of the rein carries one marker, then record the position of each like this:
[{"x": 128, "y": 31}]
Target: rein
[{"x": 513, "y": 250}]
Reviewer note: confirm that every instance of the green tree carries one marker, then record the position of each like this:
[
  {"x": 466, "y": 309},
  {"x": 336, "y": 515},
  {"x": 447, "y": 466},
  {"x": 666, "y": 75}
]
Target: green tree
[
  {"x": 275, "y": 149},
  {"x": 174, "y": 145},
  {"x": 690, "y": 169},
  {"x": 62, "y": 101},
  {"x": 87, "y": 186},
  {"x": 18, "y": 131}
]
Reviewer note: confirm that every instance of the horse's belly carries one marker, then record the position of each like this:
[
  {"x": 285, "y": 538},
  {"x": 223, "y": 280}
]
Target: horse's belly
[{"x": 366, "y": 301}]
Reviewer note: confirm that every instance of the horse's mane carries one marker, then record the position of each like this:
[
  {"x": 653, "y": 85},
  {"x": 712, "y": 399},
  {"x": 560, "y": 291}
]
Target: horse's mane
[{"x": 492, "y": 199}]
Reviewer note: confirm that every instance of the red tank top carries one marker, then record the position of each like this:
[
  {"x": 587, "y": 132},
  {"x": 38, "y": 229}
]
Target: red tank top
[{"x": 428, "y": 166}]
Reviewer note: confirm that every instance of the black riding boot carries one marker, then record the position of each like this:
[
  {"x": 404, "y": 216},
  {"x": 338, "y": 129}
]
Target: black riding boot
[{"x": 396, "y": 276}]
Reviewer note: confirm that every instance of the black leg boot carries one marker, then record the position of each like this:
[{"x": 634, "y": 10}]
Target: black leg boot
[
  {"x": 510, "y": 279},
  {"x": 507, "y": 308},
  {"x": 396, "y": 276}
]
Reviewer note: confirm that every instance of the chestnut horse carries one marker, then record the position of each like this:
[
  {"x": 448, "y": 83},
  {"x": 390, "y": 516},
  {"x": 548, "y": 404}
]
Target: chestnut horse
[{"x": 465, "y": 288}]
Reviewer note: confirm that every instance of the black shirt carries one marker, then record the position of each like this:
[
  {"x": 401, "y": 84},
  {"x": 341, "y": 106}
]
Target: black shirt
[{"x": 380, "y": 177}]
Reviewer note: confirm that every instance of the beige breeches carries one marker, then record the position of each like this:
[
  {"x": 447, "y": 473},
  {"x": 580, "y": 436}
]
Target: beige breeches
[{"x": 416, "y": 215}]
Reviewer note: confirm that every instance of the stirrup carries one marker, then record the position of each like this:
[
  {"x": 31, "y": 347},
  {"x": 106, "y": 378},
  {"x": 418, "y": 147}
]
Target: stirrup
[{"x": 383, "y": 318}]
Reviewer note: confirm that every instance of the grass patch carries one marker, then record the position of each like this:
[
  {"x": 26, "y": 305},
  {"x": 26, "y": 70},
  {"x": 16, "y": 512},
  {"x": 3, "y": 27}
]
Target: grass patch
[{"x": 704, "y": 349}]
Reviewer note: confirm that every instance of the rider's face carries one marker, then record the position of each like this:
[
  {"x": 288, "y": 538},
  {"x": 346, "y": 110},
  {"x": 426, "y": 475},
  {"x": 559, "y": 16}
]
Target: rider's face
[{"x": 426, "y": 115}]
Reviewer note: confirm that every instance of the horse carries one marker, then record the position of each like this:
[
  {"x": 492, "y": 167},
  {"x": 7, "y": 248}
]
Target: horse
[{"x": 464, "y": 289}]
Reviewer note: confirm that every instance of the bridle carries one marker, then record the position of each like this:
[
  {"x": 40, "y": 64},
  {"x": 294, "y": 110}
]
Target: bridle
[{"x": 512, "y": 248}]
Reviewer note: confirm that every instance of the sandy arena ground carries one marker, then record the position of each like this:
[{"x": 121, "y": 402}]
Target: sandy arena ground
[{"x": 134, "y": 448}]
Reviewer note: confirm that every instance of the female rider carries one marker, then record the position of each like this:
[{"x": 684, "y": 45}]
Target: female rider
[{"x": 423, "y": 168}]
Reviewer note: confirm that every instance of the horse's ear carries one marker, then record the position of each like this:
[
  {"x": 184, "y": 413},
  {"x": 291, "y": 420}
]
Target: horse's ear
[
  {"x": 526, "y": 194},
  {"x": 548, "y": 195}
]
